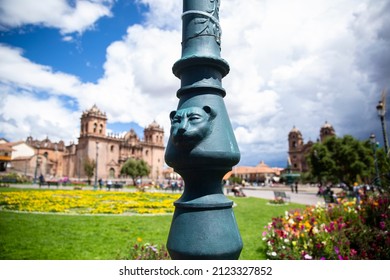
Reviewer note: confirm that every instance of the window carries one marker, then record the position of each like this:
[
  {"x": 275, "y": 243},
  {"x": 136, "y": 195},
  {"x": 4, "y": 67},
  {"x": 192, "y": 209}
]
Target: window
[
  {"x": 294, "y": 144},
  {"x": 112, "y": 148}
]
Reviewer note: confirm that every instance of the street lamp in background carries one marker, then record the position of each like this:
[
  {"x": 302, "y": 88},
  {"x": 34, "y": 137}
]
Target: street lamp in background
[
  {"x": 381, "y": 108},
  {"x": 36, "y": 164},
  {"x": 374, "y": 146},
  {"x": 96, "y": 167}
]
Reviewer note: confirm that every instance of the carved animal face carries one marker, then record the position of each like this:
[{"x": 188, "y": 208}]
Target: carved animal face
[{"x": 189, "y": 126}]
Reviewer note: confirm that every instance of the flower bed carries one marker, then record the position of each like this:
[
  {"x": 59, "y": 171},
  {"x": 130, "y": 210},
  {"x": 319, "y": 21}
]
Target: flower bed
[
  {"x": 88, "y": 202},
  {"x": 340, "y": 231},
  {"x": 277, "y": 201}
]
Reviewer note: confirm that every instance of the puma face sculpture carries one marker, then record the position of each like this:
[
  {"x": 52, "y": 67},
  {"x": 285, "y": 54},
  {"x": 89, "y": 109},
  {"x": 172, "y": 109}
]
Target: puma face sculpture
[{"x": 189, "y": 126}]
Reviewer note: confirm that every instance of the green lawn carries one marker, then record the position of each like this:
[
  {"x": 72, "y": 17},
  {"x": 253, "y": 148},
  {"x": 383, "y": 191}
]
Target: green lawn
[{"x": 88, "y": 237}]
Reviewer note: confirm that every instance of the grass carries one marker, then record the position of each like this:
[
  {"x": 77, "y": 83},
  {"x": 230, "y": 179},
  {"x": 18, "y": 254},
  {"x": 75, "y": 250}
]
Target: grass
[{"x": 89, "y": 237}]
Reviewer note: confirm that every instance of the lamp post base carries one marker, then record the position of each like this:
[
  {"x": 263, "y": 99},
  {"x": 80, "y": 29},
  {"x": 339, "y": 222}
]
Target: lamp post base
[{"x": 207, "y": 232}]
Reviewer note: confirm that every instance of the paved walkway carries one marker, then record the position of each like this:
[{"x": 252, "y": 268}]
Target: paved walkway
[{"x": 306, "y": 195}]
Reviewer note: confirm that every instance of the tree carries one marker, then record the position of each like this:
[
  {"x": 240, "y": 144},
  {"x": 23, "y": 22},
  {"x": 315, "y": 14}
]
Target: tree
[
  {"x": 383, "y": 163},
  {"x": 342, "y": 160},
  {"x": 89, "y": 168},
  {"x": 135, "y": 168}
]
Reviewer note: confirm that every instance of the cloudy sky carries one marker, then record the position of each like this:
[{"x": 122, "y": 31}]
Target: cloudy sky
[{"x": 293, "y": 63}]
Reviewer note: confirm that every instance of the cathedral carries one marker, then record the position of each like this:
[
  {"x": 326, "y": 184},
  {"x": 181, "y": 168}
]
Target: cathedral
[
  {"x": 297, "y": 149},
  {"x": 112, "y": 151},
  {"x": 55, "y": 160}
]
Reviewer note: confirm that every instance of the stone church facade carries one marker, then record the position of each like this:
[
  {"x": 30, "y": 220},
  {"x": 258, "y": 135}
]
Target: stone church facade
[
  {"x": 55, "y": 160},
  {"x": 112, "y": 151},
  {"x": 298, "y": 150}
]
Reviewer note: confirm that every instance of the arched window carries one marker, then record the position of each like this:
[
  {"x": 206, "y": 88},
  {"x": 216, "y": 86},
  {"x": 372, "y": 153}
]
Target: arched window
[
  {"x": 111, "y": 173},
  {"x": 94, "y": 127},
  {"x": 112, "y": 148},
  {"x": 294, "y": 144},
  {"x": 101, "y": 129}
]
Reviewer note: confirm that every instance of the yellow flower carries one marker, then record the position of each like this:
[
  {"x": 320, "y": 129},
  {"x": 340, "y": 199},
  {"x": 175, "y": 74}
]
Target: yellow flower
[{"x": 139, "y": 239}]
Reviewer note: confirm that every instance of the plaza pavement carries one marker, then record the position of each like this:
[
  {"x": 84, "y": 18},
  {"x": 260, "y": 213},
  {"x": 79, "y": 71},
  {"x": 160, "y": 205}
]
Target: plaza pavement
[{"x": 306, "y": 194}]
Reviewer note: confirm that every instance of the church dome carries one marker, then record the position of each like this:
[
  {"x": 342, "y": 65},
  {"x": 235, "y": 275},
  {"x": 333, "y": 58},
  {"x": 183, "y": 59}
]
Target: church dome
[
  {"x": 326, "y": 131},
  {"x": 94, "y": 111},
  {"x": 327, "y": 125},
  {"x": 295, "y": 130},
  {"x": 154, "y": 124},
  {"x": 130, "y": 135}
]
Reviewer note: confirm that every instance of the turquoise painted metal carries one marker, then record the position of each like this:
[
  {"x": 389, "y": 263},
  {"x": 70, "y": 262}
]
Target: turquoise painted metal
[{"x": 202, "y": 147}]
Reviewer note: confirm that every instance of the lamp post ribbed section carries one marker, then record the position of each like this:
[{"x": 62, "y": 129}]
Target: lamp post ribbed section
[{"x": 202, "y": 147}]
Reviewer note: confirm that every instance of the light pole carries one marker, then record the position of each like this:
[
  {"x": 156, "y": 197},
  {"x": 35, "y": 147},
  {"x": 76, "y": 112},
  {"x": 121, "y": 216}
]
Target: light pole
[
  {"x": 381, "y": 113},
  {"x": 36, "y": 164},
  {"x": 202, "y": 147},
  {"x": 374, "y": 145},
  {"x": 96, "y": 167},
  {"x": 79, "y": 169}
]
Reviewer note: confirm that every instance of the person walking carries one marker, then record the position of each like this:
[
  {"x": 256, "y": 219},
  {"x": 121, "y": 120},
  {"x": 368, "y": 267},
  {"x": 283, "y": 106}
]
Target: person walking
[{"x": 296, "y": 187}]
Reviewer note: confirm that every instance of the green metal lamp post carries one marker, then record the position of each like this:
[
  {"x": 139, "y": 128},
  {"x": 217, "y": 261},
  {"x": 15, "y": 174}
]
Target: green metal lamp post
[
  {"x": 95, "y": 186},
  {"x": 36, "y": 165},
  {"x": 202, "y": 147},
  {"x": 374, "y": 146},
  {"x": 381, "y": 113}
]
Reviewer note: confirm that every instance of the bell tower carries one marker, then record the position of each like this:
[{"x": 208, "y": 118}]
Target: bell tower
[
  {"x": 154, "y": 134},
  {"x": 93, "y": 122},
  {"x": 326, "y": 131},
  {"x": 295, "y": 139},
  {"x": 295, "y": 148}
]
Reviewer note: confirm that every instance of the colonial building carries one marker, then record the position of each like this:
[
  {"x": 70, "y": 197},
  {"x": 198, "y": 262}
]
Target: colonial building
[
  {"x": 47, "y": 158},
  {"x": 298, "y": 150},
  {"x": 55, "y": 160},
  {"x": 5, "y": 154},
  {"x": 112, "y": 151},
  {"x": 259, "y": 174}
]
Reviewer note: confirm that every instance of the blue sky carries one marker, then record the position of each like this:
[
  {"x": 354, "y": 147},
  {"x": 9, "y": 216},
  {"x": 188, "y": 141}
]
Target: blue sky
[
  {"x": 293, "y": 63},
  {"x": 85, "y": 53}
]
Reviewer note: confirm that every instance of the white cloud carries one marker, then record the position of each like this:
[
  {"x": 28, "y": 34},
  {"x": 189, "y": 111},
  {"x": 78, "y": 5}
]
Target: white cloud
[
  {"x": 163, "y": 14},
  {"x": 23, "y": 114},
  {"x": 292, "y": 63},
  {"x": 138, "y": 84},
  {"x": 54, "y": 13},
  {"x": 17, "y": 70}
]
